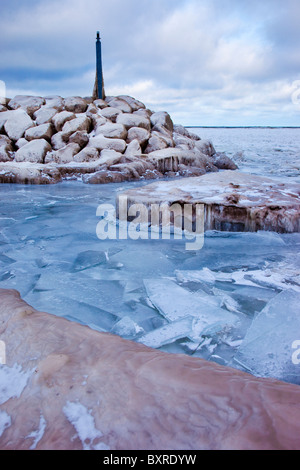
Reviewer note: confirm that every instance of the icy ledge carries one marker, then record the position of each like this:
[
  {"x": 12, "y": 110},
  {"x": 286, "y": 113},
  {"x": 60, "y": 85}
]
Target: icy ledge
[
  {"x": 91, "y": 390},
  {"x": 233, "y": 201}
]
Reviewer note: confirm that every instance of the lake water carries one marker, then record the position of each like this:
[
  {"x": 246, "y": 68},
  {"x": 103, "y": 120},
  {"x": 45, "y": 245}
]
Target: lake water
[{"x": 209, "y": 303}]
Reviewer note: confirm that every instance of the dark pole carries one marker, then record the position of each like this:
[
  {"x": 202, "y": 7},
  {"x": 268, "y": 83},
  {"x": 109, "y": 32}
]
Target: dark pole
[{"x": 99, "y": 67}]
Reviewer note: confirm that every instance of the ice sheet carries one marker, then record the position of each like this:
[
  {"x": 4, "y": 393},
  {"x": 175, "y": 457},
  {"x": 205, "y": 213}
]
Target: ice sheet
[{"x": 267, "y": 349}]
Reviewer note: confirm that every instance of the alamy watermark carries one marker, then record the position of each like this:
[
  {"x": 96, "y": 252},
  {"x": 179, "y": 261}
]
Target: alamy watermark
[
  {"x": 296, "y": 353},
  {"x": 154, "y": 221}
]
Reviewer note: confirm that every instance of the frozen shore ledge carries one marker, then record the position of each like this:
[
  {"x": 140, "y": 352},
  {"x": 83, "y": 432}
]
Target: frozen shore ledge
[
  {"x": 44, "y": 140},
  {"x": 66, "y": 386}
]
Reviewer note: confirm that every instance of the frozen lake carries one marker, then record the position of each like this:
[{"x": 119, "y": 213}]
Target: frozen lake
[{"x": 213, "y": 303}]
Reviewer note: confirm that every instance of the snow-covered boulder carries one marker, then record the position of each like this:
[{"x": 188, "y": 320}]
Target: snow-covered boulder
[
  {"x": 34, "y": 152},
  {"x": 44, "y": 115},
  {"x": 17, "y": 123},
  {"x": 139, "y": 134},
  {"x": 44, "y": 131},
  {"x": 80, "y": 123},
  {"x": 120, "y": 104},
  {"x": 110, "y": 113},
  {"x": 133, "y": 120},
  {"x": 61, "y": 118},
  {"x": 133, "y": 103},
  {"x": 75, "y": 104},
  {"x": 30, "y": 104},
  {"x": 57, "y": 141},
  {"x": 87, "y": 154},
  {"x": 63, "y": 155},
  {"x": 79, "y": 137},
  {"x": 162, "y": 119},
  {"x": 100, "y": 143},
  {"x": 133, "y": 149},
  {"x": 112, "y": 131}
]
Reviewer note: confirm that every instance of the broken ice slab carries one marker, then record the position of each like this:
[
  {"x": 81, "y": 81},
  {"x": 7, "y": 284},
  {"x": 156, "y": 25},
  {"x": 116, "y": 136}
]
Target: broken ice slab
[
  {"x": 88, "y": 259},
  {"x": 168, "y": 333},
  {"x": 175, "y": 302},
  {"x": 126, "y": 328},
  {"x": 267, "y": 349}
]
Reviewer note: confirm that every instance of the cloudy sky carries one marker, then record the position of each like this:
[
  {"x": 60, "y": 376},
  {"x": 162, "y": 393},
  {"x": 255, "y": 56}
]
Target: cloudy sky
[{"x": 206, "y": 62}]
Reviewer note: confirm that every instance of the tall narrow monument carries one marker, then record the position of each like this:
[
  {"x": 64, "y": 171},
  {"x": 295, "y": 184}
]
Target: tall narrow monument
[{"x": 99, "y": 83}]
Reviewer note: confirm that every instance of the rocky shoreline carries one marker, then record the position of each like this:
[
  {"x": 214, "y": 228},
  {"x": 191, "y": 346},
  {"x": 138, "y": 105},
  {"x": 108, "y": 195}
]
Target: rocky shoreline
[
  {"x": 67, "y": 387},
  {"x": 45, "y": 140}
]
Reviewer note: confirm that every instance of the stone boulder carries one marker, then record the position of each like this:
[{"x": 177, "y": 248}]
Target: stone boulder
[
  {"x": 120, "y": 104},
  {"x": 63, "y": 155},
  {"x": 133, "y": 149},
  {"x": 80, "y": 123},
  {"x": 34, "y": 152},
  {"x": 87, "y": 154},
  {"x": 28, "y": 173},
  {"x": 100, "y": 143},
  {"x": 206, "y": 147},
  {"x": 30, "y": 104},
  {"x": 44, "y": 131},
  {"x": 112, "y": 131},
  {"x": 134, "y": 120},
  {"x": 57, "y": 141},
  {"x": 109, "y": 157},
  {"x": 55, "y": 101},
  {"x": 44, "y": 115},
  {"x": 134, "y": 104},
  {"x": 75, "y": 104},
  {"x": 79, "y": 137},
  {"x": 61, "y": 118},
  {"x": 110, "y": 113},
  {"x": 223, "y": 162},
  {"x": 100, "y": 103},
  {"x": 139, "y": 134},
  {"x": 162, "y": 120},
  {"x": 17, "y": 123}
]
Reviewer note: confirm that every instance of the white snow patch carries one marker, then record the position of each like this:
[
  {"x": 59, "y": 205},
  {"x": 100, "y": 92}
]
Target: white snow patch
[
  {"x": 13, "y": 380},
  {"x": 5, "y": 421},
  {"x": 83, "y": 422},
  {"x": 38, "y": 434}
]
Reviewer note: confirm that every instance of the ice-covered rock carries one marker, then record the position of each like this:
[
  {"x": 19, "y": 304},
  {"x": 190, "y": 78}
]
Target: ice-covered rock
[
  {"x": 44, "y": 131},
  {"x": 162, "y": 120},
  {"x": 58, "y": 141},
  {"x": 28, "y": 173},
  {"x": 133, "y": 103},
  {"x": 223, "y": 162},
  {"x": 110, "y": 113},
  {"x": 233, "y": 201},
  {"x": 69, "y": 374},
  {"x": 17, "y": 123},
  {"x": 79, "y": 137},
  {"x": 34, "y": 152}
]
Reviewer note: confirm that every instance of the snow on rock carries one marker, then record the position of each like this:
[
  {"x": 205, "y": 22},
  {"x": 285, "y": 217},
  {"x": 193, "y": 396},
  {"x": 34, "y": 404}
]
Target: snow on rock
[
  {"x": 44, "y": 131},
  {"x": 64, "y": 154},
  {"x": 68, "y": 387},
  {"x": 61, "y": 118},
  {"x": 75, "y": 104},
  {"x": 135, "y": 130},
  {"x": 30, "y": 104},
  {"x": 17, "y": 123},
  {"x": 34, "y": 152},
  {"x": 134, "y": 120}
]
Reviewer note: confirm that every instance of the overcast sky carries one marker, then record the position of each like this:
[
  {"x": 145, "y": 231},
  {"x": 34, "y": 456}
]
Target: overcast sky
[{"x": 206, "y": 62}]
